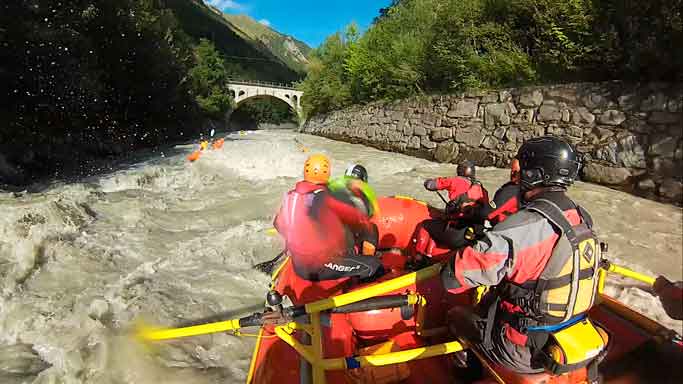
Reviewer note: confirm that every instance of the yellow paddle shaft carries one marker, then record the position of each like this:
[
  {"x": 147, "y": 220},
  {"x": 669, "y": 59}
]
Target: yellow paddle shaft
[
  {"x": 613, "y": 268},
  {"x": 175, "y": 333}
]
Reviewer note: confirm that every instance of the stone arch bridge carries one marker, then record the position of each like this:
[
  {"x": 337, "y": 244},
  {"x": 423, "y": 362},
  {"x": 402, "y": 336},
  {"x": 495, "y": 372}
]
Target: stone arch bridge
[{"x": 242, "y": 91}]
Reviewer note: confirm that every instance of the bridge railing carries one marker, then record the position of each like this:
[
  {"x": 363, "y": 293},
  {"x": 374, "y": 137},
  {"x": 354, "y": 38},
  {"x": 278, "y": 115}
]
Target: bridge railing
[{"x": 261, "y": 83}]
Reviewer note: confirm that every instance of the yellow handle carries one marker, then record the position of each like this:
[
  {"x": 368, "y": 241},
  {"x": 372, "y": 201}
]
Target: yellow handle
[
  {"x": 155, "y": 334},
  {"x": 613, "y": 268}
]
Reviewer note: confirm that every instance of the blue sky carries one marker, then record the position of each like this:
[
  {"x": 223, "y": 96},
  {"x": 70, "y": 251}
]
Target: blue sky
[{"x": 307, "y": 20}]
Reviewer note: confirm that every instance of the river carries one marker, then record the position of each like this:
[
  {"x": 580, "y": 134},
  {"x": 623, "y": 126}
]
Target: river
[{"x": 164, "y": 241}]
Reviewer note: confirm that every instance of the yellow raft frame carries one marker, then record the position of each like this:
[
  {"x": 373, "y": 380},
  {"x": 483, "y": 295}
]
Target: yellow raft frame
[{"x": 313, "y": 353}]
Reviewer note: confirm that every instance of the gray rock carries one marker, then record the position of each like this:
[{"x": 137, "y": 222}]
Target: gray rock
[
  {"x": 647, "y": 185},
  {"x": 414, "y": 142},
  {"x": 595, "y": 100},
  {"x": 370, "y": 132},
  {"x": 449, "y": 122},
  {"x": 398, "y": 115},
  {"x": 666, "y": 118},
  {"x": 464, "y": 108},
  {"x": 419, "y": 131},
  {"x": 499, "y": 132},
  {"x": 531, "y": 98},
  {"x": 628, "y": 102},
  {"x": 490, "y": 98},
  {"x": 504, "y": 96},
  {"x": 662, "y": 145},
  {"x": 524, "y": 116},
  {"x": 666, "y": 167},
  {"x": 602, "y": 133},
  {"x": 513, "y": 134},
  {"x": 512, "y": 110},
  {"x": 494, "y": 113},
  {"x": 549, "y": 113},
  {"x": 675, "y": 104},
  {"x": 582, "y": 116},
  {"x": 678, "y": 155},
  {"x": 635, "y": 124},
  {"x": 489, "y": 142},
  {"x": 672, "y": 190},
  {"x": 602, "y": 174},
  {"x": 625, "y": 152},
  {"x": 654, "y": 102},
  {"x": 408, "y": 129},
  {"x": 574, "y": 131},
  {"x": 446, "y": 152},
  {"x": 426, "y": 143},
  {"x": 562, "y": 93},
  {"x": 469, "y": 138},
  {"x": 442, "y": 134},
  {"x": 394, "y": 137},
  {"x": 612, "y": 117},
  {"x": 565, "y": 115},
  {"x": 511, "y": 147}
]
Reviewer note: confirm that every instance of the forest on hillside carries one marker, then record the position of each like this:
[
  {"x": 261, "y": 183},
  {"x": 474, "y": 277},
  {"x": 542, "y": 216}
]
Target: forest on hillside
[
  {"x": 89, "y": 80},
  {"x": 437, "y": 46}
]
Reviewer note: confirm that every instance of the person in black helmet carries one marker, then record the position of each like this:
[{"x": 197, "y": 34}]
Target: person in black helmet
[
  {"x": 526, "y": 259},
  {"x": 466, "y": 197},
  {"x": 465, "y": 192}
]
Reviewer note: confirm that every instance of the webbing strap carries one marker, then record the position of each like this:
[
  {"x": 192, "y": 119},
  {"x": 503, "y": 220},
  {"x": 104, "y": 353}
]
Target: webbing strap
[
  {"x": 554, "y": 213},
  {"x": 562, "y": 281}
]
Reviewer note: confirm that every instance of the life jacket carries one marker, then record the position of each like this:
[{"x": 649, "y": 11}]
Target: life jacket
[
  {"x": 554, "y": 306},
  {"x": 313, "y": 234},
  {"x": 466, "y": 203}
]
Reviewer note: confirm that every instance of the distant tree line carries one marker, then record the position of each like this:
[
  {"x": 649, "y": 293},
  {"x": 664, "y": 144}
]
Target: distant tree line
[{"x": 432, "y": 46}]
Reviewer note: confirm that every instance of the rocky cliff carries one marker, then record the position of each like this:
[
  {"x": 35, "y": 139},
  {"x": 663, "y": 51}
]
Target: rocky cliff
[{"x": 630, "y": 134}]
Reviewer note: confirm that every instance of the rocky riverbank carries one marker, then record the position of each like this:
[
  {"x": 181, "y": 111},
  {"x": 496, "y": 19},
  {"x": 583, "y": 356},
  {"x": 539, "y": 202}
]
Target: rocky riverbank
[{"x": 630, "y": 134}]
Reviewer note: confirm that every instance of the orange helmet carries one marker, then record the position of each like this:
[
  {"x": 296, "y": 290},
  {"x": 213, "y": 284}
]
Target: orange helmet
[
  {"x": 514, "y": 171},
  {"x": 317, "y": 169}
]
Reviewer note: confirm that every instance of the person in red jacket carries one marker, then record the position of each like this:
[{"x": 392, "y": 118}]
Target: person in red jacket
[
  {"x": 506, "y": 200},
  {"x": 319, "y": 229},
  {"x": 466, "y": 196},
  {"x": 525, "y": 257}
]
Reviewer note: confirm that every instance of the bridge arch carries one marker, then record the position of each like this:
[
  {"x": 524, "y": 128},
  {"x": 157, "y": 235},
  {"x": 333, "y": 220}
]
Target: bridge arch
[{"x": 242, "y": 91}]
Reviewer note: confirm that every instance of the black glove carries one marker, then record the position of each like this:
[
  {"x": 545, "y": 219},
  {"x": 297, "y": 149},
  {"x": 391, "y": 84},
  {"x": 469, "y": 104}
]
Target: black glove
[
  {"x": 452, "y": 207},
  {"x": 460, "y": 237},
  {"x": 430, "y": 185}
]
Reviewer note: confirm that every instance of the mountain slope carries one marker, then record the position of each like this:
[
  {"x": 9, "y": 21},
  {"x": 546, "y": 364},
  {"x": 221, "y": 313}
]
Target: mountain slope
[
  {"x": 246, "y": 57},
  {"x": 291, "y": 51}
]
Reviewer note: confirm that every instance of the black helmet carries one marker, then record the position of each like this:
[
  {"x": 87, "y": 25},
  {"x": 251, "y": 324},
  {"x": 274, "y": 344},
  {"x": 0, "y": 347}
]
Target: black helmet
[
  {"x": 548, "y": 161},
  {"x": 466, "y": 169},
  {"x": 358, "y": 171}
]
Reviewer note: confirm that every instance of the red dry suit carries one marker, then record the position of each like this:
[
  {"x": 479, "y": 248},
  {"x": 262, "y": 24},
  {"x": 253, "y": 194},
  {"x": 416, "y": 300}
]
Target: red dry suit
[
  {"x": 505, "y": 202},
  {"x": 319, "y": 234},
  {"x": 467, "y": 192},
  {"x": 515, "y": 251}
]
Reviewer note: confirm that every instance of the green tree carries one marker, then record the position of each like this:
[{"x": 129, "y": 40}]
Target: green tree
[{"x": 209, "y": 79}]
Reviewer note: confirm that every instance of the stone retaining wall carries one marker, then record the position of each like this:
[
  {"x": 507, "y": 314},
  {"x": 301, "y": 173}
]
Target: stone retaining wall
[{"x": 630, "y": 134}]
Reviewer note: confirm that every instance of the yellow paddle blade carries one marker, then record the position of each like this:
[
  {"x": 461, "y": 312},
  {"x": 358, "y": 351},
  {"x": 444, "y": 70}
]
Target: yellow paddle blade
[{"x": 147, "y": 333}]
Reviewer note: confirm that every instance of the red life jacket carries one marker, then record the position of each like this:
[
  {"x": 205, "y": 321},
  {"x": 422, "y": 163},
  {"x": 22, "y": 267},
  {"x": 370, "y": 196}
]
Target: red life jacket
[
  {"x": 314, "y": 235},
  {"x": 469, "y": 194}
]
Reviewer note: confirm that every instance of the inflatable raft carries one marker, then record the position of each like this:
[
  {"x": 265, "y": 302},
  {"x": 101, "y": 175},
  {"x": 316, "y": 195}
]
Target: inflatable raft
[{"x": 395, "y": 329}]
